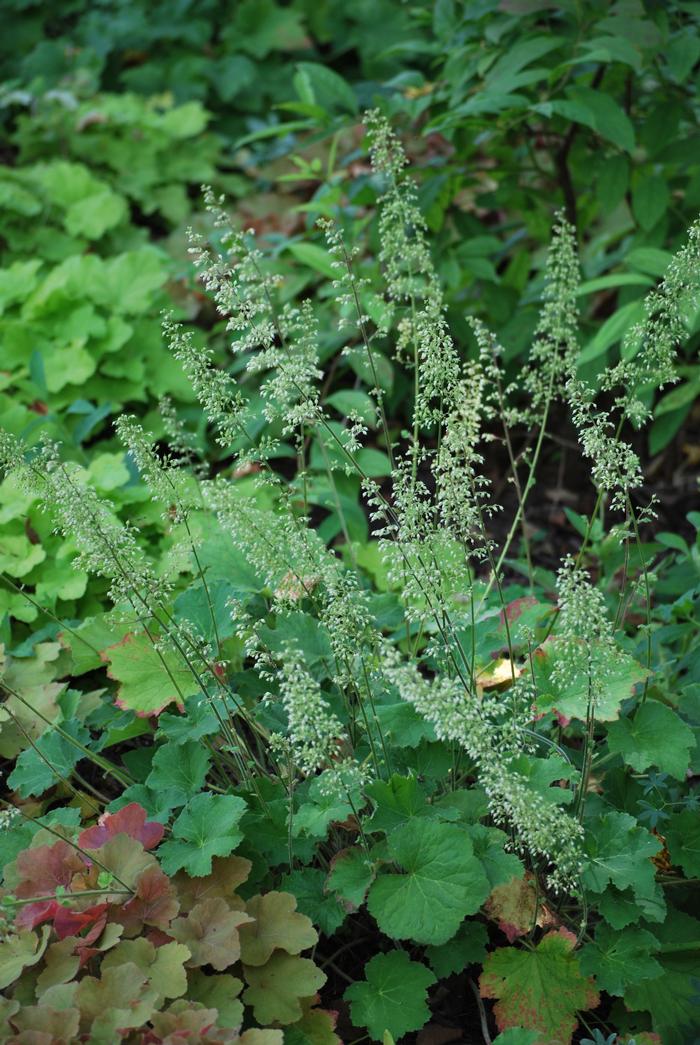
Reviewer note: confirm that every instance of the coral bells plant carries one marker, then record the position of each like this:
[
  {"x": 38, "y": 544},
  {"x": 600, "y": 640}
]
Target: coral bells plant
[
  {"x": 114, "y": 945},
  {"x": 353, "y": 684}
]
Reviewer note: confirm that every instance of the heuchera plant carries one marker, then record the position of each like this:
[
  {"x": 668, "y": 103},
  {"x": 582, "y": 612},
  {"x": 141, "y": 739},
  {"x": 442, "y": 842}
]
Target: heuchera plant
[
  {"x": 102, "y": 945},
  {"x": 428, "y": 735}
]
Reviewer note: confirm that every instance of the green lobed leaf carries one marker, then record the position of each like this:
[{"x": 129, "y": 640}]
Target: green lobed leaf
[
  {"x": 180, "y": 770},
  {"x": 619, "y": 959},
  {"x": 442, "y": 882},
  {"x": 149, "y": 679},
  {"x": 540, "y": 989},
  {"x": 207, "y": 827},
  {"x": 392, "y": 997},
  {"x": 653, "y": 735}
]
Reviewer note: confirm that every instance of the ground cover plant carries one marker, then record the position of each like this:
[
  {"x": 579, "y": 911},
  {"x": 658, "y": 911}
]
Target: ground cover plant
[{"x": 347, "y": 751}]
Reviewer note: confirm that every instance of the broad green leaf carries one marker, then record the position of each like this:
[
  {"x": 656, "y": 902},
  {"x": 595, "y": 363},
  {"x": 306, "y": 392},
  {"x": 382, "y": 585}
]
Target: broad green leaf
[
  {"x": 121, "y": 998},
  {"x": 18, "y": 555},
  {"x": 313, "y": 257},
  {"x": 681, "y": 396},
  {"x": 207, "y": 609},
  {"x": 621, "y": 674},
  {"x": 540, "y": 989},
  {"x": 198, "y": 720},
  {"x": 615, "y": 279},
  {"x": 275, "y": 924},
  {"x": 682, "y": 52},
  {"x": 210, "y": 933},
  {"x": 351, "y": 875},
  {"x": 619, "y": 959},
  {"x": 92, "y": 216},
  {"x": 207, "y": 827},
  {"x": 50, "y": 762},
  {"x": 619, "y": 851},
  {"x": 649, "y": 259},
  {"x": 149, "y": 679},
  {"x": 613, "y": 330},
  {"x": 650, "y": 198},
  {"x": 130, "y": 280},
  {"x": 179, "y": 769},
  {"x": 18, "y": 280},
  {"x": 672, "y": 997},
  {"x": 517, "y": 1036},
  {"x": 397, "y": 800},
  {"x": 653, "y": 735},
  {"x": 623, "y": 907},
  {"x": 467, "y": 947},
  {"x": 682, "y": 834},
  {"x": 489, "y": 846},
  {"x": 352, "y": 401},
  {"x": 604, "y": 115},
  {"x": 318, "y": 809},
  {"x": 613, "y": 179},
  {"x": 164, "y": 966},
  {"x": 392, "y": 997},
  {"x": 20, "y": 951},
  {"x": 218, "y": 992},
  {"x": 323, "y": 908},
  {"x": 402, "y": 726},
  {"x": 441, "y": 884}
]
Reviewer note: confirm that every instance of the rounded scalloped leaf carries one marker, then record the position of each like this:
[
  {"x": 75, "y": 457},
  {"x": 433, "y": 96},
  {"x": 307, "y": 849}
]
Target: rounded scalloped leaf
[
  {"x": 149, "y": 679},
  {"x": 513, "y": 906},
  {"x": 129, "y": 820},
  {"x": 207, "y": 827},
  {"x": 622, "y": 674},
  {"x": 164, "y": 966},
  {"x": 275, "y": 990},
  {"x": 275, "y": 924},
  {"x": 20, "y": 951},
  {"x": 442, "y": 883},
  {"x": 211, "y": 932},
  {"x": 683, "y": 840},
  {"x": 392, "y": 997},
  {"x": 653, "y": 736}
]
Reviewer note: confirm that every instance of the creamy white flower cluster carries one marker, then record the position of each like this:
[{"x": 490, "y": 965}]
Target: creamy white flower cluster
[{"x": 495, "y": 732}]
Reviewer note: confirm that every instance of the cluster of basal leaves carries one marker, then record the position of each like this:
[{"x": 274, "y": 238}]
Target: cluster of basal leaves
[
  {"x": 127, "y": 951},
  {"x": 339, "y": 711}
]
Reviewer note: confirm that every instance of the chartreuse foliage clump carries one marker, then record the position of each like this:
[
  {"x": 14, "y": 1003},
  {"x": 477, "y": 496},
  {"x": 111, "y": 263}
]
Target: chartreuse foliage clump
[
  {"x": 367, "y": 705},
  {"x": 105, "y": 944}
]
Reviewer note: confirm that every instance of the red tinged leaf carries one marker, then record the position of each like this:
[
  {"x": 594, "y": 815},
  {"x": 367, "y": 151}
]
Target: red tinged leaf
[
  {"x": 149, "y": 679},
  {"x": 131, "y": 820},
  {"x": 516, "y": 608},
  {"x": 43, "y": 869},
  {"x": 155, "y": 903},
  {"x": 540, "y": 989},
  {"x": 68, "y": 922},
  {"x": 34, "y": 914}
]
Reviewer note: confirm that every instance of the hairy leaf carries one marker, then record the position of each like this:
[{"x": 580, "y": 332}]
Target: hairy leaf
[
  {"x": 211, "y": 933},
  {"x": 653, "y": 735}
]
